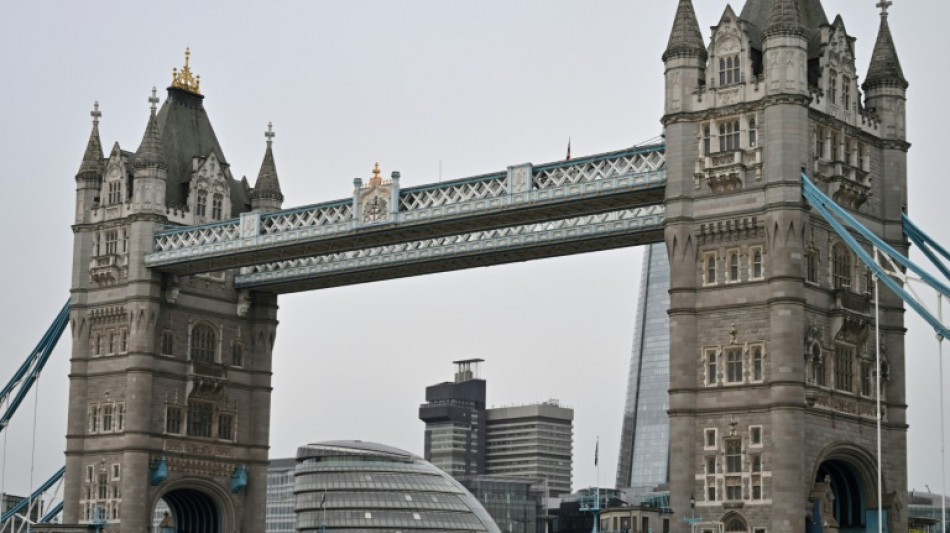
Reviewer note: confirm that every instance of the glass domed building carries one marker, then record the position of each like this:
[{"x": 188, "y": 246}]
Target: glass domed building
[{"x": 363, "y": 487}]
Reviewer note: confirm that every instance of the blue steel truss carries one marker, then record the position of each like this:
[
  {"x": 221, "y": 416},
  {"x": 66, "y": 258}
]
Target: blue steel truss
[{"x": 603, "y": 231}]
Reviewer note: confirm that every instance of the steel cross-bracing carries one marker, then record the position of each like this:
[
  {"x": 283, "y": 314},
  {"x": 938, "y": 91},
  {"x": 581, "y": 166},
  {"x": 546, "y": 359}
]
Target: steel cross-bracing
[
  {"x": 528, "y": 211},
  {"x": 602, "y": 231}
]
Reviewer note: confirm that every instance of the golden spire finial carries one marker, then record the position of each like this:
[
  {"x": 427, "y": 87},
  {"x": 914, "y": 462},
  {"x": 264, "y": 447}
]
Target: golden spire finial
[
  {"x": 375, "y": 180},
  {"x": 184, "y": 79}
]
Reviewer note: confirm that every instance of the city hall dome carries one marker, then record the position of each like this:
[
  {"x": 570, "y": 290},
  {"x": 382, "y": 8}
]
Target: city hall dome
[{"x": 359, "y": 487}]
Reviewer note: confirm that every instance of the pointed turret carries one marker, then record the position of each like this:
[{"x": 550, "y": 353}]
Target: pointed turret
[
  {"x": 885, "y": 87},
  {"x": 150, "y": 152},
  {"x": 685, "y": 60},
  {"x": 91, "y": 170},
  {"x": 685, "y": 39},
  {"x": 785, "y": 49},
  {"x": 150, "y": 169},
  {"x": 266, "y": 195},
  {"x": 885, "y": 69},
  {"x": 91, "y": 166},
  {"x": 785, "y": 18}
]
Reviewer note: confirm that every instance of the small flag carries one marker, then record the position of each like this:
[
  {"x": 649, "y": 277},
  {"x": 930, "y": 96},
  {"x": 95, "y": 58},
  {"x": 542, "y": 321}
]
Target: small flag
[
  {"x": 568, "y": 158},
  {"x": 323, "y": 500},
  {"x": 596, "y": 451}
]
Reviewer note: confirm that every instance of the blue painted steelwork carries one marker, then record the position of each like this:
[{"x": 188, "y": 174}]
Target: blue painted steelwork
[
  {"x": 832, "y": 212},
  {"x": 53, "y": 513},
  {"x": 924, "y": 242},
  {"x": 33, "y": 497},
  {"x": 158, "y": 472},
  {"x": 29, "y": 371},
  {"x": 238, "y": 479}
]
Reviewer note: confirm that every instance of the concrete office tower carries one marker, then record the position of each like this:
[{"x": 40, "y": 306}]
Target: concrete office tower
[
  {"x": 532, "y": 441},
  {"x": 454, "y": 414},
  {"x": 645, "y": 440}
]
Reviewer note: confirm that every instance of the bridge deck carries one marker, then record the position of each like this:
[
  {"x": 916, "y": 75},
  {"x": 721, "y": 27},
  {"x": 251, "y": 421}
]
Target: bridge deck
[
  {"x": 522, "y": 196},
  {"x": 604, "y": 231}
]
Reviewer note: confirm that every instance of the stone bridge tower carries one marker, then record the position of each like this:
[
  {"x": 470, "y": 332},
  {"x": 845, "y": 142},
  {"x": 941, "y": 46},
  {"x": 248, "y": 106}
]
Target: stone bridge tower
[
  {"x": 170, "y": 377},
  {"x": 772, "y": 407}
]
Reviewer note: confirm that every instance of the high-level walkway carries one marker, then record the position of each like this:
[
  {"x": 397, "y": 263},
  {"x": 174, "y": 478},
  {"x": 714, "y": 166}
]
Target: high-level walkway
[{"x": 604, "y": 201}]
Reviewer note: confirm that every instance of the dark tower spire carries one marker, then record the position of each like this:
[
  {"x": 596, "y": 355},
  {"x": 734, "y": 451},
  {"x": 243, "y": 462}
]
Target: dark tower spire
[
  {"x": 785, "y": 18},
  {"x": 266, "y": 194},
  {"x": 91, "y": 166},
  {"x": 150, "y": 152},
  {"x": 685, "y": 38},
  {"x": 885, "y": 69}
]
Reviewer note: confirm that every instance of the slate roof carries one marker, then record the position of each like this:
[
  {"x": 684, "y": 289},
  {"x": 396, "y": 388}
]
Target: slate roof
[
  {"x": 811, "y": 13},
  {"x": 685, "y": 37},
  {"x": 92, "y": 158},
  {"x": 267, "y": 185},
  {"x": 186, "y": 133},
  {"x": 150, "y": 152},
  {"x": 885, "y": 66}
]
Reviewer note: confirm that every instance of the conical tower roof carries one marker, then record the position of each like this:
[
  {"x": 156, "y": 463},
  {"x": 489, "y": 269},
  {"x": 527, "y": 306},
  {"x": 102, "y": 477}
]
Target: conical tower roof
[
  {"x": 150, "y": 152},
  {"x": 685, "y": 37},
  {"x": 92, "y": 158},
  {"x": 885, "y": 69},
  {"x": 757, "y": 13},
  {"x": 785, "y": 18},
  {"x": 267, "y": 185}
]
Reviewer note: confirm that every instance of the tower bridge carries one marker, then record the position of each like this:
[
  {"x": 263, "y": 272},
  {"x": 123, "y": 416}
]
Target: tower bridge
[
  {"x": 178, "y": 265},
  {"x": 593, "y": 203}
]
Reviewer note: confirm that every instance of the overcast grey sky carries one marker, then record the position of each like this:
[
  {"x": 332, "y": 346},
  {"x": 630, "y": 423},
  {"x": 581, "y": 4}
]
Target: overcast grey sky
[{"x": 476, "y": 85}]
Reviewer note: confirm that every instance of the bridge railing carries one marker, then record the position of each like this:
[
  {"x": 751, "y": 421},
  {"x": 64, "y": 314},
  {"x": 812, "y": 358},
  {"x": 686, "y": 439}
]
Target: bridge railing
[{"x": 520, "y": 183}]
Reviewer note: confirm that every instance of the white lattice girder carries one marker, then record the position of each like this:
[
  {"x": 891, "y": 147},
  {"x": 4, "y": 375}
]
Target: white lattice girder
[
  {"x": 594, "y": 169},
  {"x": 501, "y": 240},
  {"x": 617, "y": 174},
  {"x": 424, "y": 198}
]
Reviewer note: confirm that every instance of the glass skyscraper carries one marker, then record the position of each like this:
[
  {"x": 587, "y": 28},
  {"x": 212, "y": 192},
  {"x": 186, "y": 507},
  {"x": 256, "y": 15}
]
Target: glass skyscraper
[{"x": 644, "y": 443}]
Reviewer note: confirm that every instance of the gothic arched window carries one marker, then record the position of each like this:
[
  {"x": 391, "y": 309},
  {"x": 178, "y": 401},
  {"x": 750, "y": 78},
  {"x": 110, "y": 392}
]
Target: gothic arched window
[
  {"x": 216, "y": 202},
  {"x": 735, "y": 525},
  {"x": 833, "y": 86},
  {"x": 201, "y": 204},
  {"x": 841, "y": 257},
  {"x": 203, "y": 344}
]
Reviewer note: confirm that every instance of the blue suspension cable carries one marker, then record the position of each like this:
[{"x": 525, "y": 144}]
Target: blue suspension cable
[
  {"x": 924, "y": 242},
  {"x": 36, "y": 494},
  {"x": 40, "y": 356},
  {"x": 816, "y": 197},
  {"x": 825, "y": 206}
]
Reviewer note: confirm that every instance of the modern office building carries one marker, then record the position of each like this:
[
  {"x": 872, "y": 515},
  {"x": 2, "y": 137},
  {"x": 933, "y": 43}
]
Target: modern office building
[
  {"x": 532, "y": 441},
  {"x": 366, "y": 487},
  {"x": 925, "y": 512},
  {"x": 644, "y": 443},
  {"x": 280, "y": 496},
  {"x": 517, "y": 505},
  {"x": 465, "y": 439},
  {"x": 454, "y": 414}
]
